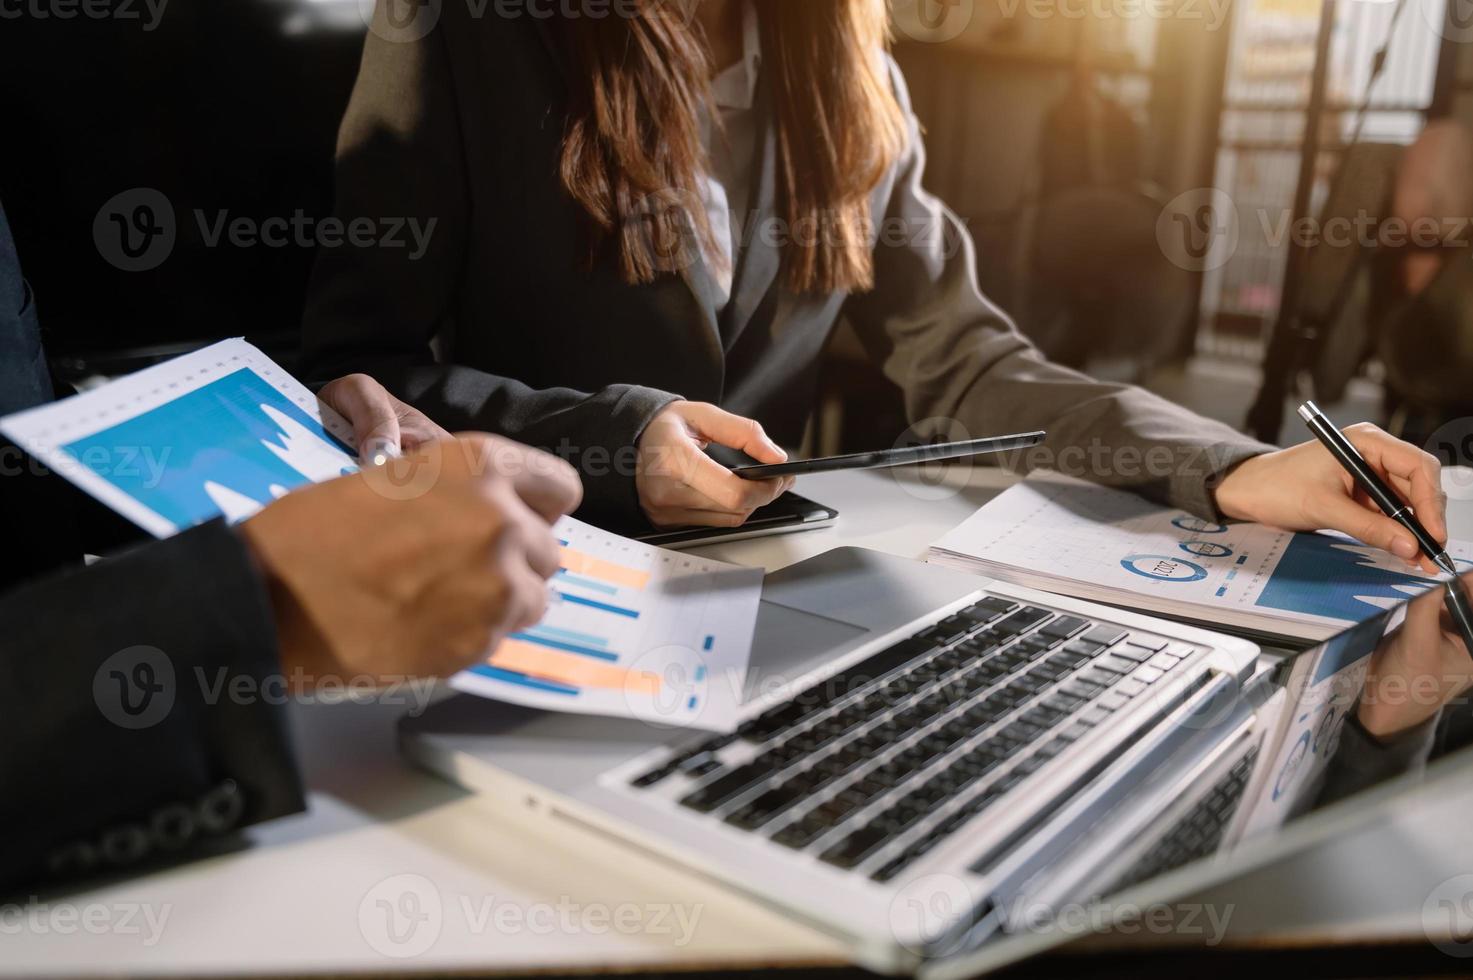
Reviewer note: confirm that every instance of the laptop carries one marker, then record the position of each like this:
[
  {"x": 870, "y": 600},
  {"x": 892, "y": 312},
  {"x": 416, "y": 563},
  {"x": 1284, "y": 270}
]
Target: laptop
[{"x": 925, "y": 760}]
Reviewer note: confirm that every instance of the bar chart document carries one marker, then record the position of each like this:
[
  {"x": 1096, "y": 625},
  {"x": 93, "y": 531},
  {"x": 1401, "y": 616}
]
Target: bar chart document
[
  {"x": 632, "y": 631},
  {"x": 220, "y": 432},
  {"x": 1067, "y": 536}
]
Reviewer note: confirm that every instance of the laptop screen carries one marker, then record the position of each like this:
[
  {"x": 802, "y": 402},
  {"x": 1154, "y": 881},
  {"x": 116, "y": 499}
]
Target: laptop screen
[
  {"x": 1326, "y": 740},
  {"x": 1345, "y": 730},
  {"x": 1380, "y": 701}
]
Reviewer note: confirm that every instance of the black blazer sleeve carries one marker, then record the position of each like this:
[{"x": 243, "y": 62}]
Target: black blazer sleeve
[
  {"x": 123, "y": 742},
  {"x": 376, "y": 310}
]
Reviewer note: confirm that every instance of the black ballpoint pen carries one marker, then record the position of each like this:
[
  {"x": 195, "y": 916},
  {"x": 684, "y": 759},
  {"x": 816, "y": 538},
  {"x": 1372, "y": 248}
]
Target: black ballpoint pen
[
  {"x": 1454, "y": 597},
  {"x": 1370, "y": 481}
]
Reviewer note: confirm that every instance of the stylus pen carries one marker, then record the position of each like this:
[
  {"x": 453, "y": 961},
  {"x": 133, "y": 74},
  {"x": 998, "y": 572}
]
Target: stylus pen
[{"x": 1375, "y": 488}]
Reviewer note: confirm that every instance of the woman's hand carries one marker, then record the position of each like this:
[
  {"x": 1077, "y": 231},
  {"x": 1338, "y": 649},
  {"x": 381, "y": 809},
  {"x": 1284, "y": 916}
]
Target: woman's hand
[
  {"x": 1417, "y": 670},
  {"x": 1305, "y": 489},
  {"x": 383, "y": 426},
  {"x": 679, "y": 485}
]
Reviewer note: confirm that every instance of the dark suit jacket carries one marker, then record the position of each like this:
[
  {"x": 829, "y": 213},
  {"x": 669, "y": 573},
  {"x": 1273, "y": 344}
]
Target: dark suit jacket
[
  {"x": 464, "y": 127},
  {"x": 107, "y": 762}
]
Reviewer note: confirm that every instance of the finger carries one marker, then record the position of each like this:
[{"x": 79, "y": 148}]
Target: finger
[
  {"x": 526, "y": 589},
  {"x": 524, "y": 536},
  {"x": 543, "y": 554},
  {"x": 375, "y": 417},
  {"x": 545, "y": 483},
  {"x": 727, "y": 491},
  {"x": 1403, "y": 486},
  {"x": 417, "y": 429},
  {"x": 734, "y": 431},
  {"x": 530, "y": 597},
  {"x": 689, "y": 508},
  {"x": 1420, "y": 474},
  {"x": 549, "y": 486},
  {"x": 1367, "y": 525},
  {"x": 669, "y": 520},
  {"x": 673, "y": 493}
]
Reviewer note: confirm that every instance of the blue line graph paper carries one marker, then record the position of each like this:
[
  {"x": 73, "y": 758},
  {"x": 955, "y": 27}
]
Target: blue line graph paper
[
  {"x": 1329, "y": 576},
  {"x": 227, "y": 448}
]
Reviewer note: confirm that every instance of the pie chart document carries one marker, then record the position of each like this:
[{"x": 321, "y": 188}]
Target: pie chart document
[
  {"x": 220, "y": 432},
  {"x": 1071, "y": 537}
]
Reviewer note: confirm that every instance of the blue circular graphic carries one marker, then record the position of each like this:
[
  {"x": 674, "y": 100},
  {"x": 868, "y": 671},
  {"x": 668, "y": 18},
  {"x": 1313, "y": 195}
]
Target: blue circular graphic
[
  {"x": 1207, "y": 549},
  {"x": 1325, "y": 733},
  {"x": 1197, "y": 526},
  {"x": 1297, "y": 755},
  {"x": 1163, "y": 568}
]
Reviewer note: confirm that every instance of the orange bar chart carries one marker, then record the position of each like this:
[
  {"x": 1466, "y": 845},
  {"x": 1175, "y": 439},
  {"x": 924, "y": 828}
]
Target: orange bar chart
[
  {"x": 581, "y": 563},
  {"x": 571, "y": 669}
]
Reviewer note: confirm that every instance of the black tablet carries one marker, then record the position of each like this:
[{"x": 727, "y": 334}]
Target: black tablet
[
  {"x": 884, "y": 458},
  {"x": 784, "y": 515}
]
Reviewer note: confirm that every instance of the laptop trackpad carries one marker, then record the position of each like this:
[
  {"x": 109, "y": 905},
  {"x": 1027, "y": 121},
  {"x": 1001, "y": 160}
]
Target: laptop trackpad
[
  {"x": 820, "y": 608},
  {"x": 790, "y": 642}
]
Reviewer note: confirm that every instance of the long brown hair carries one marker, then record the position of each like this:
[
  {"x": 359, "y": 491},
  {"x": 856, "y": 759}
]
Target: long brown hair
[{"x": 639, "y": 85}]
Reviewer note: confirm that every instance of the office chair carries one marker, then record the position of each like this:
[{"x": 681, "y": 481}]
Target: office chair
[
  {"x": 1321, "y": 344},
  {"x": 1098, "y": 285}
]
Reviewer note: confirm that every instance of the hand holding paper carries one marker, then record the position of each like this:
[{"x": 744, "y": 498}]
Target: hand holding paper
[{"x": 629, "y": 630}]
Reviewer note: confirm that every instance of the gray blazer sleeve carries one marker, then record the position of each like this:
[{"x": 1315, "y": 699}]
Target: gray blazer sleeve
[
  {"x": 377, "y": 310},
  {"x": 124, "y": 744},
  {"x": 958, "y": 359}
]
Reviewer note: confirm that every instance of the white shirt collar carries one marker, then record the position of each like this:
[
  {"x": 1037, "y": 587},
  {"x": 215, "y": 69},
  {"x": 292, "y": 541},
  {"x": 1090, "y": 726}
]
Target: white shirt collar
[{"x": 736, "y": 87}]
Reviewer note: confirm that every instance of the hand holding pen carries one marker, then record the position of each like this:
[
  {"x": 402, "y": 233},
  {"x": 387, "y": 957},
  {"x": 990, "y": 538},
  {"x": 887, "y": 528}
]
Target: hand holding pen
[
  {"x": 1381, "y": 493},
  {"x": 1455, "y": 597}
]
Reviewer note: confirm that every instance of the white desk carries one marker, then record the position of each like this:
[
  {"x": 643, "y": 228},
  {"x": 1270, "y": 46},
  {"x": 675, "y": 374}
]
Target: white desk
[{"x": 290, "y": 903}]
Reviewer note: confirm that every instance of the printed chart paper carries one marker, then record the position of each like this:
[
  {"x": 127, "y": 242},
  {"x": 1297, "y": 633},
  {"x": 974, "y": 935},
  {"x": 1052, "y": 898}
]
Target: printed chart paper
[
  {"x": 1305, "y": 722},
  {"x": 222, "y": 431},
  {"x": 633, "y": 631},
  {"x": 1118, "y": 547}
]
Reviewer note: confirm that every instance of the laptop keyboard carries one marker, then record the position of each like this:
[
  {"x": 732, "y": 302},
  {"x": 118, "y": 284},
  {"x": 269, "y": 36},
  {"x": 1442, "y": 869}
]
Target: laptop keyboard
[
  {"x": 1200, "y": 832},
  {"x": 917, "y": 739}
]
